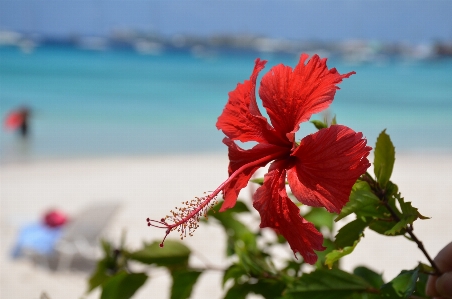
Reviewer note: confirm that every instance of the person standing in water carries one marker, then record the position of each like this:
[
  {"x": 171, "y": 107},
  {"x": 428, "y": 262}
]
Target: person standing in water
[{"x": 18, "y": 120}]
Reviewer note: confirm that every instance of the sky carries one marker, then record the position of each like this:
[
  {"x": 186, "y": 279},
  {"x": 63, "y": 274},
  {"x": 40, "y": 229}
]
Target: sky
[{"x": 415, "y": 21}]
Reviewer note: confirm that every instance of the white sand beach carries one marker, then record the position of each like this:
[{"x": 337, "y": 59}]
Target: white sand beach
[{"x": 151, "y": 186}]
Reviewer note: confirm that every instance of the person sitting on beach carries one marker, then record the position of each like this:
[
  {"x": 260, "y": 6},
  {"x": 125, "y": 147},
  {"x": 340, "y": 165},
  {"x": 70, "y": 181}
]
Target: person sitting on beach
[
  {"x": 41, "y": 237},
  {"x": 55, "y": 218}
]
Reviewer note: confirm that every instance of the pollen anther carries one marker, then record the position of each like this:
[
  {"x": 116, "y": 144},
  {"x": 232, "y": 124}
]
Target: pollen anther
[{"x": 185, "y": 219}]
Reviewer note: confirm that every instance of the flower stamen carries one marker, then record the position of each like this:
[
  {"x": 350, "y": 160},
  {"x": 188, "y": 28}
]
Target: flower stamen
[{"x": 185, "y": 219}]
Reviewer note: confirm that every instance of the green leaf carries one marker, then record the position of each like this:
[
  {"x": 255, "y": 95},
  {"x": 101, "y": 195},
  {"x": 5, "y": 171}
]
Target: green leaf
[
  {"x": 123, "y": 285},
  {"x": 336, "y": 294},
  {"x": 421, "y": 285},
  {"x": 350, "y": 233},
  {"x": 386, "y": 221},
  {"x": 322, "y": 255},
  {"x": 99, "y": 276},
  {"x": 363, "y": 202},
  {"x": 235, "y": 230},
  {"x": 238, "y": 233},
  {"x": 373, "y": 278},
  {"x": 104, "y": 268},
  {"x": 173, "y": 253},
  {"x": 233, "y": 272},
  {"x": 106, "y": 247},
  {"x": 259, "y": 181},
  {"x": 238, "y": 291},
  {"x": 269, "y": 288},
  {"x": 402, "y": 286},
  {"x": 384, "y": 159},
  {"x": 391, "y": 189},
  {"x": 327, "y": 284},
  {"x": 346, "y": 240},
  {"x": 183, "y": 282},
  {"x": 337, "y": 254},
  {"x": 408, "y": 284},
  {"x": 253, "y": 261},
  {"x": 408, "y": 215},
  {"x": 320, "y": 218},
  {"x": 423, "y": 268},
  {"x": 241, "y": 242},
  {"x": 383, "y": 226},
  {"x": 365, "y": 296},
  {"x": 239, "y": 207},
  {"x": 319, "y": 124}
]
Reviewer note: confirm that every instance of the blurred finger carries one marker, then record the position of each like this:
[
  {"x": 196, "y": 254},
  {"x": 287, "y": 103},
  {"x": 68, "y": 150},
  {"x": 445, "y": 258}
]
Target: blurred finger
[
  {"x": 444, "y": 285},
  {"x": 444, "y": 262},
  {"x": 444, "y": 259}
]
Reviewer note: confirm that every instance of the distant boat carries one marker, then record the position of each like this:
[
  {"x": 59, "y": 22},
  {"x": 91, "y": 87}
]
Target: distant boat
[
  {"x": 144, "y": 46},
  {"x": 11, "y": 38}
]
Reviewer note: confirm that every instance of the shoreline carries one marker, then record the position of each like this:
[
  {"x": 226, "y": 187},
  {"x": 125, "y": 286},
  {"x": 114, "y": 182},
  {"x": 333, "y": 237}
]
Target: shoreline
[
  {"x": 33, "y": 159},
  {"x": 149, "y": 186}
]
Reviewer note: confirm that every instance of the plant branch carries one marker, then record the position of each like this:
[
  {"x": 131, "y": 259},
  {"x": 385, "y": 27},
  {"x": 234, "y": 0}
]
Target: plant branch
[{"x": 409, "y": 228}]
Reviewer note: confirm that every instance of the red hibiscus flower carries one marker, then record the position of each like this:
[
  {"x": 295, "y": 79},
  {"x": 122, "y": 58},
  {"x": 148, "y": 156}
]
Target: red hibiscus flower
[{"x": 321, "y": 169}]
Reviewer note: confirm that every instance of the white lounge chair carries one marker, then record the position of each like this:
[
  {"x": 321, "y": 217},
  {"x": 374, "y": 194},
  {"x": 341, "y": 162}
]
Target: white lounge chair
[{"x": 79, "y": 237}]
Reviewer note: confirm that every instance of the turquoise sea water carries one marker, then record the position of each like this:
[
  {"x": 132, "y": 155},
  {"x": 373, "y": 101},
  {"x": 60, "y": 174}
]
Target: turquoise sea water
[{"x": 118, "y": 102}]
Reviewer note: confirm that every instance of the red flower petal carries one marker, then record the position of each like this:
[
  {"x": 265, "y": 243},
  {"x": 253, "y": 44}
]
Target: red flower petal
[
  {"x": 291, "y": 97},
  {"x": 241, "y": 118},
  {"x": 280, "y": 213},
  {"x": 239, "y": 157},
  {"x": 329, "y": 163}
]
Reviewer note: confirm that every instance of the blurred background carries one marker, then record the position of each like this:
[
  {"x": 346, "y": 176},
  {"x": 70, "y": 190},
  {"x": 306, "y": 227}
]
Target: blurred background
[
  {"x": 139, "y": 77},
  {"x": 140, "y": 85}
]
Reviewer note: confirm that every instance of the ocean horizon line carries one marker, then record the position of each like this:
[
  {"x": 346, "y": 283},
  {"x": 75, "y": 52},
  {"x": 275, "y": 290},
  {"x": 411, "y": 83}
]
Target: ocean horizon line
[{"x": 149, "y": 43}]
